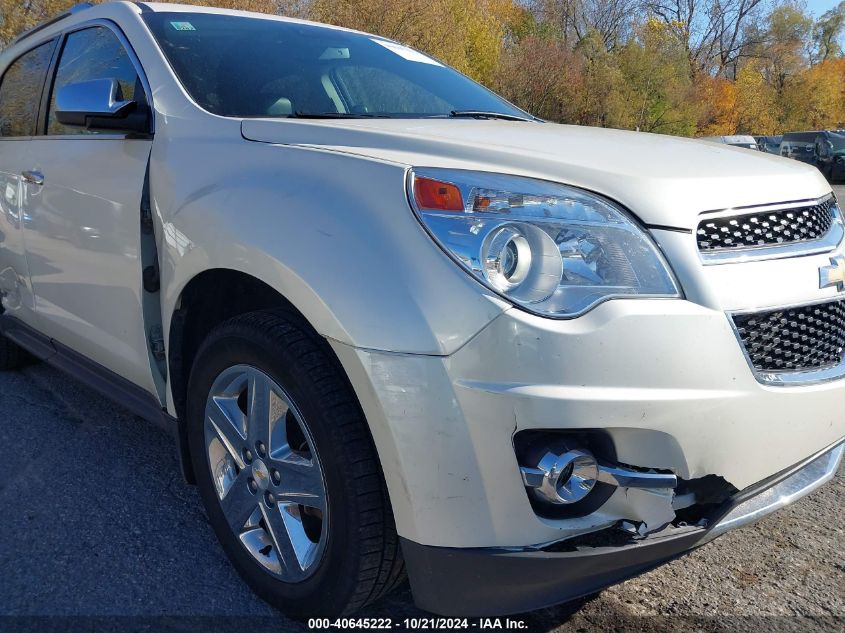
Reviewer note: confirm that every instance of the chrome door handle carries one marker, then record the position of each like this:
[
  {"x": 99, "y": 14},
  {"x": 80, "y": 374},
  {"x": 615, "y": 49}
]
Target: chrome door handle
[{"x": 33, "y": 177}]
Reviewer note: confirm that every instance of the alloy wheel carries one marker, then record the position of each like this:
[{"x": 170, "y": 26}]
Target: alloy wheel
[{"x": 266, "y": 472}]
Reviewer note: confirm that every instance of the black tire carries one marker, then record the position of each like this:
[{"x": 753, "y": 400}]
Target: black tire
[
  {"x": 362, "y": 559},
  {"x": 11, "y": 356}
]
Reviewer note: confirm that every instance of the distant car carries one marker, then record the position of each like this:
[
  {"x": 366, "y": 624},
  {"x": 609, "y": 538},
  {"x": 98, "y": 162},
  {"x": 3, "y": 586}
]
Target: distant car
[
  {"x": 829, "y": 148},
  {"x": 800, "y": 146},
  {"x": 769, "y": 144},
  {"x": 739, "y": 140}
]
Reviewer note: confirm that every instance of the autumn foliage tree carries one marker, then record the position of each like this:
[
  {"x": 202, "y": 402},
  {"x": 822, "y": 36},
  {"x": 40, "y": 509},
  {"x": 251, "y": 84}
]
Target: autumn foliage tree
[{"x": 686, "y": 67}]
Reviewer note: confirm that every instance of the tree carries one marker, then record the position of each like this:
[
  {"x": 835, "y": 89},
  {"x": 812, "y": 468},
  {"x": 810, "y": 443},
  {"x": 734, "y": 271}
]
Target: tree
[
  {"x": 713, "y": 32},
  {"x": 756, "y": 107},
  {"x": 543, "y": 76},
  {"x": 656, "y": 83},
  {"x": 827, "y": 31},
  {"x": 785, "y": 48},
  {"x": 609, "y": 20},
  {"x": 17, "y": 16},
  {"x": 813, "y": 99},
  {"x": 716, "y": 99},
  {"x": 468, "y": 35}
]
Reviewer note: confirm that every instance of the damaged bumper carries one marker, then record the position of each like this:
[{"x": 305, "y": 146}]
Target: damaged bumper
[
  {"x": 653, "y": 390},
  {"x": 502, "y": 581},
  {"x": 655, "y": 386}
]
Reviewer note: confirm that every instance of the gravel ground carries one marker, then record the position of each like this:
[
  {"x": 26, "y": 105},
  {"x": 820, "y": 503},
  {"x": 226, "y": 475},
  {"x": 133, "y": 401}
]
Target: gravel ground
[{"x": 98, "y": 523}]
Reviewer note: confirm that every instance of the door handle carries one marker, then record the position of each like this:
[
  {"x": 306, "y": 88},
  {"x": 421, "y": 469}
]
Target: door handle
[{"x": 34, "y": 177}]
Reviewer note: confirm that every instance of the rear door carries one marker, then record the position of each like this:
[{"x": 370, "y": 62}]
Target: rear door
[
  {"x": 20, "y": 95},
  {"x": 83, "y": 240}
]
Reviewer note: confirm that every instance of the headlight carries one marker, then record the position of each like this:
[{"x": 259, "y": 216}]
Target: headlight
[{"x": 551, "y": 249}]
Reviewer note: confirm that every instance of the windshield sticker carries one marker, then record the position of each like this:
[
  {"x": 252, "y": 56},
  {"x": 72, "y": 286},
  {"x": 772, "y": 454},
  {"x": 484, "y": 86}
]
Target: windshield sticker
[
  {"x": 183, "y": 26},
  {"x": 406, "y": 53}
]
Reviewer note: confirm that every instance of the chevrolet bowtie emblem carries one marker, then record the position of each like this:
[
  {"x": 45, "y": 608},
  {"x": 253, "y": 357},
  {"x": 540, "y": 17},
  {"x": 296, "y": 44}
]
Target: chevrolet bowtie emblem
[{"x": 833, "y": 275}]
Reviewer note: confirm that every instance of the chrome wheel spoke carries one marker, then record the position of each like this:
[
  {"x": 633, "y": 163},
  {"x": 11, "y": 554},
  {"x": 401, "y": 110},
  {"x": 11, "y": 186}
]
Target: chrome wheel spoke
[
  {"x": 258, "y": 407},
  {"x": 239, "y": 503},
  {"x": 300, "y": 482},
  {"x": 227, "y": 422},
  {"x": 293, "y": 546}
]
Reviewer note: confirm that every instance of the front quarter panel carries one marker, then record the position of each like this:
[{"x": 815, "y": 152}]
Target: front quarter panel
[{"x": 332, "y": 233}]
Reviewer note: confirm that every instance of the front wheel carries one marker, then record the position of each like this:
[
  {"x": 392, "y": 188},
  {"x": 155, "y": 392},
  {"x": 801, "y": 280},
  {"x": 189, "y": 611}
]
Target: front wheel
[{"x": 287, "y": 469}]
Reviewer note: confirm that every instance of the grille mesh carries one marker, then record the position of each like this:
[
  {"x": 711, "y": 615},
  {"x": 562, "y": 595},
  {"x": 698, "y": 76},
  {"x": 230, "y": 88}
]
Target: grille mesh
[
  {"x": 770, "y": 228},
  {"x": 794, "y": 339}
]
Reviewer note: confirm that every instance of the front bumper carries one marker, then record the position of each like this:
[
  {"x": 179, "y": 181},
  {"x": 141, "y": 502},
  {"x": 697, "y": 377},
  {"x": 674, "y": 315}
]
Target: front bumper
[
  {"x": 666, "y": 380},
  {"x": 488, "y": 582}
]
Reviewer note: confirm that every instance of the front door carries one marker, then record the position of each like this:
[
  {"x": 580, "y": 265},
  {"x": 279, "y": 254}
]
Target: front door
[{"x": 83, "y": 238}]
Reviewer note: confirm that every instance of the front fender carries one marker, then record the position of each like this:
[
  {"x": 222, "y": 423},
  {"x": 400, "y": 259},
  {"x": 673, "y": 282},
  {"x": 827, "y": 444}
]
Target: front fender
[{"x": 332, "y": 233}]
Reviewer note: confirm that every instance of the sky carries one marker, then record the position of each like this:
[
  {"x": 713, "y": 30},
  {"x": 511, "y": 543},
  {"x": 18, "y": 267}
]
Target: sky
[{"x": 817, "y": 7}]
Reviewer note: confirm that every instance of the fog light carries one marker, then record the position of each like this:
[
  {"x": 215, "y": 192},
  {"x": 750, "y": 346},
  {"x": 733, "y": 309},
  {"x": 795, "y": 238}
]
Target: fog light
[
  {"x": 563, "y": 479},
  {"x": 569, "y": 477}
]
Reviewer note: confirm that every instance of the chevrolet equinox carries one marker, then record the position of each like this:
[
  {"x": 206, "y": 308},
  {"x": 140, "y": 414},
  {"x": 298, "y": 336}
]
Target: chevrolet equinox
[{"x": 398, "y": 326}]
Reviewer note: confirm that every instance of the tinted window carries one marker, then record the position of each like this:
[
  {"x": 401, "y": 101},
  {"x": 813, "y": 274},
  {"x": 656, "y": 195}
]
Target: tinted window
[
  {"x": 93, "y": 53},
  {"x": 378, "y": 90},
  {"x": 20, "y": 91},
  {"x": 837, "y": 141},
  {"x": 247, "y": 67}
]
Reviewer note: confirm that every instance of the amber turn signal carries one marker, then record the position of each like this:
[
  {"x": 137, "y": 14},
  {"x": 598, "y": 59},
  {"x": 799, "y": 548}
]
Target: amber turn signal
[{"x": 440, "y": 196}]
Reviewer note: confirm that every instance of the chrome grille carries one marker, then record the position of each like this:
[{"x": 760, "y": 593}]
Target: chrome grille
[
  {"x": 794, "y": 339},
  {"x": 766, "y": 228}
]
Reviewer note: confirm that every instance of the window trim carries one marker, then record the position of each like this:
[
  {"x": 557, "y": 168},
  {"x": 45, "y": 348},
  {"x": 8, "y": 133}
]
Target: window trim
[
  {"x": 54, "y": 39},
  {"x": 50, "y": 82}
]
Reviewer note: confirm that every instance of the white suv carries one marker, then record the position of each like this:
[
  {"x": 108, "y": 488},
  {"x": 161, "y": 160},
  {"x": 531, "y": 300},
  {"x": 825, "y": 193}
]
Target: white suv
[{"x": 395, "y": 322}]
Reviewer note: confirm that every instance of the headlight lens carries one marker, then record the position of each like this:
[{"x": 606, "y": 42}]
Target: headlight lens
[{"x": 551, "y": 249}]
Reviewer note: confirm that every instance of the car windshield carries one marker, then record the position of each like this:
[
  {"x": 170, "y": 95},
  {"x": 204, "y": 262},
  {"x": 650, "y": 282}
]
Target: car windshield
[{"x": 253, "y": 67}]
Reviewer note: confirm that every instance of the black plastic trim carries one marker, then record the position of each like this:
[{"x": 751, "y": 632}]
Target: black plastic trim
[
  {"x": 46, "y": 86},
  {"x": 494, "y": 582},
  {"x": 664, "y": 227},
  {"x": 104, "y": 381}
]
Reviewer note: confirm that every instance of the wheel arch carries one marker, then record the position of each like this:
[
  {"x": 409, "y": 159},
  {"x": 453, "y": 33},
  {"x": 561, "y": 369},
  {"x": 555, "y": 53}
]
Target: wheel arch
[{"x": 209, "y": 298}]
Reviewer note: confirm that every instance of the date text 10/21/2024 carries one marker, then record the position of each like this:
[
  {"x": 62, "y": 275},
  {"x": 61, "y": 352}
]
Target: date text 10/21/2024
[{"x": 511, "y": 624}]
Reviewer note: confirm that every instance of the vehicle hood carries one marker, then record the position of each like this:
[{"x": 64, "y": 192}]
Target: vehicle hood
[{"x": 664, "y": 180}]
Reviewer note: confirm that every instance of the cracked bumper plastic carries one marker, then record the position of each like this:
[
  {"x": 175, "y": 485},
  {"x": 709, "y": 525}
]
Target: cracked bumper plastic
[{"x": 481, "y": 582}]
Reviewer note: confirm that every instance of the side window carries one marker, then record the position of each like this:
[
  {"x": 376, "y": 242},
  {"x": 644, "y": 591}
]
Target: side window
[
  {"x": 93, "y": 53},
  {"x": 20, "y": 91}
]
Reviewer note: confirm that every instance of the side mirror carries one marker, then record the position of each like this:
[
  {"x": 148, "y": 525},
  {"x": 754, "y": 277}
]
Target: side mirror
[{"x": 94, "y": 104}]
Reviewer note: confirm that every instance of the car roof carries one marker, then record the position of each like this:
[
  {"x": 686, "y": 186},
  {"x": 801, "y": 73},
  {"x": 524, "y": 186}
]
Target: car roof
[
  {"x": 163, "y": 7},
  {"x": 801, "y": 137}
]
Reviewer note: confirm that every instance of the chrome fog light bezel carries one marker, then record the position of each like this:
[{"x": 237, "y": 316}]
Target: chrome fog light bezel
[{"x": 565, "y": 479}]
